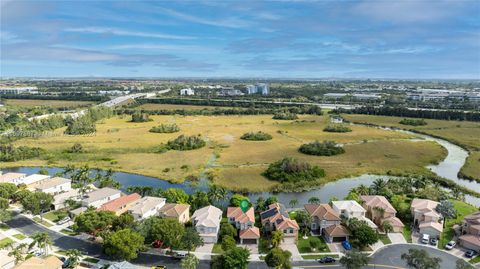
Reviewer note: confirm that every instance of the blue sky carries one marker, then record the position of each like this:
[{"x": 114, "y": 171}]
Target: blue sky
[{"x": 281, "y": 39}]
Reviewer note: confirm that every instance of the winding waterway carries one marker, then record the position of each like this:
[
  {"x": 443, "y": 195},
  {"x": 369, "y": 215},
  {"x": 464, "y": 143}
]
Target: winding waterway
[{"x": 448, "y": 168}]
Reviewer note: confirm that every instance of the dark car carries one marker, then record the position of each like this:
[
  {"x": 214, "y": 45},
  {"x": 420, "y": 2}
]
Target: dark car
[
  {"x": 433, "y": 241},
  {"x": 327, "y": 260},
  {"x": 470, "y": 253}
]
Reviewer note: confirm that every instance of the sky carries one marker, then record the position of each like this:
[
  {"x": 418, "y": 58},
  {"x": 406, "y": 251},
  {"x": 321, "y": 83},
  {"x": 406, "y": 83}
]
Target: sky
[{"x": 402, "y": 39}]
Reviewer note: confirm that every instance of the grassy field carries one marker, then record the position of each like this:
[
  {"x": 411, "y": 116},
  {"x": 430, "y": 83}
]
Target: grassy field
[
  {"x": 407, "y": 233},
  {"x": 126, "y": 146},
  {"x": 463, "y": 133},
  {"x": 175, "y": 107},
  {"x": 463, "y": 209},
  {"x": 30, "y": 103}
]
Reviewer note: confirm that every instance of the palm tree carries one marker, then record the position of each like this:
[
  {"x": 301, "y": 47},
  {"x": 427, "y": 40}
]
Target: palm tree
[
  {"x": 387, "y": 227},
  {"x": 363, "y": 190},
  {"x": 313, "y": 200},
  {"x": 379, "y": 185},
  {"x": 446, "y": 208},
  {"x": 41, "y": 240},
  {"x": 293, "y": 203},
  {"x": 74, "y": 255},
  {"x": 217, "y": 193},
  {"x": 18, "y": 252}
]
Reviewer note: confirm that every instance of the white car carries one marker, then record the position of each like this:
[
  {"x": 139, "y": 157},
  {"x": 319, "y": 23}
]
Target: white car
[
  {"x": 64, "y": 220},
  {"x": 425, "y": 238},
  {"x": 450, "y": 245}
]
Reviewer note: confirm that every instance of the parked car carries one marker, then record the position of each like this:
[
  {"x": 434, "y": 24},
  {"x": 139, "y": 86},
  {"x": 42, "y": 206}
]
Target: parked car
[
  {"x": 157, "y": 244},
  {"x": 64, "y": 220},
  {"x": 433, "y": 241},
  {"x": 425, "y": 238},
  {"x": 327, "y": 260},
  {"x": 346, "y": 245},
  {"x": 450, "y": 245},
  {"x": 159, "y": 267},
  {"x": 470, "y": 253},
  {"x": 177, "y": 255}
]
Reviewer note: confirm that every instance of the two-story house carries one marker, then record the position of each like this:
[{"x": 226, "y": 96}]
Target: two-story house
[
  {"x": 326, "y": 222},
  {"x": 207, "y": 223},
  {"x": 15, "y": 178},
  {"x": 53, "y": 185},
  {"x": 276, "y": 218},
  {"x": 245, "y": 222},
  {"x": 99, "y": 197},
  {"x": 379, "y": 210},
  {"x": 146, "y": 207},
  {"x": 121, "y": 204},
  {"x": 180, "y": 212},
  {"x": 351, "y": 209},
  {"x": 426, "y": 218},
  {"x": 470, "y": 230}
]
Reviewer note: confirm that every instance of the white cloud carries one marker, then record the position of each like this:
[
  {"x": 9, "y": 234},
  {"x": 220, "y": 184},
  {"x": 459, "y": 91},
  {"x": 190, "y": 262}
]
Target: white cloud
[
  {"x": 121, "y": 32},
  {"x": 187, "y": 48}
]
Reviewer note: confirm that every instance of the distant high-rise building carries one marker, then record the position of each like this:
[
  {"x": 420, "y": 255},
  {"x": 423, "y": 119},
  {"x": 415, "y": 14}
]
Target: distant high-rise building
[
  {"x": 261, "y": 88},
  {"x": 187, "y": 91}
]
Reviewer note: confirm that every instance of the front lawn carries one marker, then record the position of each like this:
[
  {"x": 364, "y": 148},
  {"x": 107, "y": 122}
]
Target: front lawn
[
  {"x": 217, "y": 248},
  {"x": 91, "y": 260},
  {"x": 463, "y": 209},
  {"x": 407, "y": 233},
  {"x": 68, "y": 232},
  {"x": 304, "y": 245},
  {"x": 44, "y": 223},
  {"x": 5, "y": 242},
  {"x": 55, "y": 216},
  {"x": 384, "y": 238},
  {"x": 19, "y": 236},
  {"x": 4, "y": 226}
]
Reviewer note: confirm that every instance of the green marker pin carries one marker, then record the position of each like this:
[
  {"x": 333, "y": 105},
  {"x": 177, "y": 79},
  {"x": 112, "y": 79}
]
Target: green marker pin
[{"x": 244, "y": 205}]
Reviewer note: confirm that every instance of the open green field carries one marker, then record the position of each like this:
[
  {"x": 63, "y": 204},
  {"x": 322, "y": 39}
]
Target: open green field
[
  {"x": 30, "y": 103},
  {"x": 175, "y": 107},
  {"x": 463, "y": 133},
  {"x": 127, "y": 146}
]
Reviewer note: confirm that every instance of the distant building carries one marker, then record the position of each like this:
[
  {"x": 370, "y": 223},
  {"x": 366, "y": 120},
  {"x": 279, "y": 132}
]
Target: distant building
[
  {"x": 18, "y": 90},
  {"x": 359, "y": 96},
  {"x": 230, "y": 91},
  {"x": 262, "y": 88},
  {"x": 187, "y": 91}
]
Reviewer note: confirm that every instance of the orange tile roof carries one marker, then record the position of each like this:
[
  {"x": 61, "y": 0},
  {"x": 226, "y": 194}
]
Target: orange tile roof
[
  {"x": 288, "y": 223},
  {"x": 119, "y": 203},
  {"x": 378, "y": 201},
  {"x": 336, "y": 230},
  {"x": 322, "y": 211},
  {"x": 174, "y": 210},
  {"x": 239, "y": 216},
  {"x": 394, "y": 221},
  {"x": 250, "y": 233}
]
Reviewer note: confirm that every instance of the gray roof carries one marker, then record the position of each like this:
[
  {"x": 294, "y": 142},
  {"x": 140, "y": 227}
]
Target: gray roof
[
  {"x": 100, "y": 194},
  {"x": 50, "y": 182}
]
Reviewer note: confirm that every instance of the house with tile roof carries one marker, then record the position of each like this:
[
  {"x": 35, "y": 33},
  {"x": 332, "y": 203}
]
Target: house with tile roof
[
  {"x": 426, "y": 218},
  {"x": 180, "y": 212},
  {"x": 207, "y": 223},
  {"x": 239, "y": 219},
  {"x": 15, "y": 178},
  {"x": 121, "y": 204},
  {"x": 276, "y": 218},
  {"x": 249, "y": 236},
  {"x": 147, "y": 207},
  {"x": 326, "y": 222},
  {"x": 379, "y": 210},
  {"x": 470, "y": 232},
  {"x": 335, "y": 233},
  {"x": 352, "y": 209}
]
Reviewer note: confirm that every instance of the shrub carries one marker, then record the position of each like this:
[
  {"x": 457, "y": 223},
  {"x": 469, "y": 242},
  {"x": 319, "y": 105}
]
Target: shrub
[
  {"x": 9, "y": 153},
  {"x": 77, "y": 147},
  {"x": 186, "y": 143},
  {"x": 413, "y": 122},
  {"x": 140, "y": 117},
  {"x": 165, "y": 128},
  {"x": 285, "y": 116},
  {"x": 292, "y": 170},
  {"x": 326, "y": 148},
  {"x": 81, "y": 126},
  {"x": 258, "y": 136},
  {"x": 337, "y": 128}
]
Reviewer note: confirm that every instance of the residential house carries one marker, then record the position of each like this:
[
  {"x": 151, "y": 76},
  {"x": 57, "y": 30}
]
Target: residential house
[
  {"x": 470, "y": 232},
  {"x": 34, "y": 178},
  {"x": 180, "y": 212},
  {"x": 352, "y": 209},
  {"x": 241, "y": 220},
  {"x": 276, "y": 218},
  {"x": 147, "y": 207},
  {"x": 50, "y": 262},
  {"x": 53, "y": 185},
  {"x": 15, "y": 178},
  {"x": 379, "y": 210},
  {"x": 59, "y": 200},
  {"x": 326, "y": 222},
  {"x": 6, "y": 261},
  {"x": 426, "y": 217},
  {"x": 101, "y": 196},
  {"x": 121, "y": 204},
  {"x": 122, "y": 265},
  {"x": 207, "y": 223},
  {"x": 249, "y": 236},
  {"x": 335, "y": 233}
]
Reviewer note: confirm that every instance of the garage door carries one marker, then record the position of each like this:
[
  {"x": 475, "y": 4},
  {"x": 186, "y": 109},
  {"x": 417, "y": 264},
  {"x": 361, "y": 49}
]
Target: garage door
[
  {"x": 339, "y": 239},
  {"x": 249, "y": 241}
]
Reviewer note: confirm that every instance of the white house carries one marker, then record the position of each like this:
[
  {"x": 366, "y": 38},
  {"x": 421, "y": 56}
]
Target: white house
[
  {"x": 207, "y": 223},
  {"x": 52, "y": 185},
  {"x": 147, "y": 207},
  {"x": 34, "y": 178},
  {"x": 60, "y": 199},
  {"x": 187, "y": 91},
  {"x": 352, "y": 209},
  {"x": 15, "y": 178},
  {"x": 101, "y": 196}
]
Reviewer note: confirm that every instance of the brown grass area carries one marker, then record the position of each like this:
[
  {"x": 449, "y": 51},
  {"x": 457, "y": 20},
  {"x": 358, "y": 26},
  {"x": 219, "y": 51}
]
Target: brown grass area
[{"x": 30, "y": 103}]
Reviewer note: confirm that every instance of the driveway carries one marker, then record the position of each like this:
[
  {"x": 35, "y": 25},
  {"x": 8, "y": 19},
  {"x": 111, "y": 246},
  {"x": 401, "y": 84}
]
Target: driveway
[
  {"x": 377, "y": 245},
  {"x": 252, "y": 247},
  {"x": 206, "y": 248},
  {"x": 289, "y": 244},
  {"x": 397, "y": 238}
]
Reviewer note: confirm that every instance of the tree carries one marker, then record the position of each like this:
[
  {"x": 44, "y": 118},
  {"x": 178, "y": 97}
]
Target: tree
[
  {"x": 124, "y": 221},
  {"x": 237, "y": 198},
  {"x": 37, "y": 203},
  {"x": 18, "y": 252},
  {"x": 191, "y": 240},
  {"x": 293, "y": 203},
  {"x": 446, "y": 208},
  {"x": 199, "y": 199},
  {"x": 354, "y": 259},
  {"x": 362, "y": 235},
  {"x": 216, "y": 193},
  {"x": 80, "y": 178},
  {"x": 363, "y": 190},
  {"x": 462, "y": 264},
  {"x": 261, "y": 205},
  {"x": 314, "y": 200},
  {"x": 7, "y": 190},
  {"x": 420, "y": 259},
  {"x": 271, "y": 200},
  {"x": 277, "y": 237},
  {"x": 173, "y": 195},
  {"x": 279, "y": 258},
  {"x": 74, "y": 256},
  {"x": 93, "y": 222},
  {"x": 387, "y": 227},
  {"x": 123, "y": 244},
  {"x": 4, "y": 203},
  {"x": 42, "y": 241},
  {"x": 227, "y": 229},
  {"x": 142, "y": 190},
  {"x": 169, "y": 231},
  {"x": 379, "y": 186},
  {"x": 236, "y": 258},
  {"x": 228, "y": 242},
  {"x": 190, "y": 262}
]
